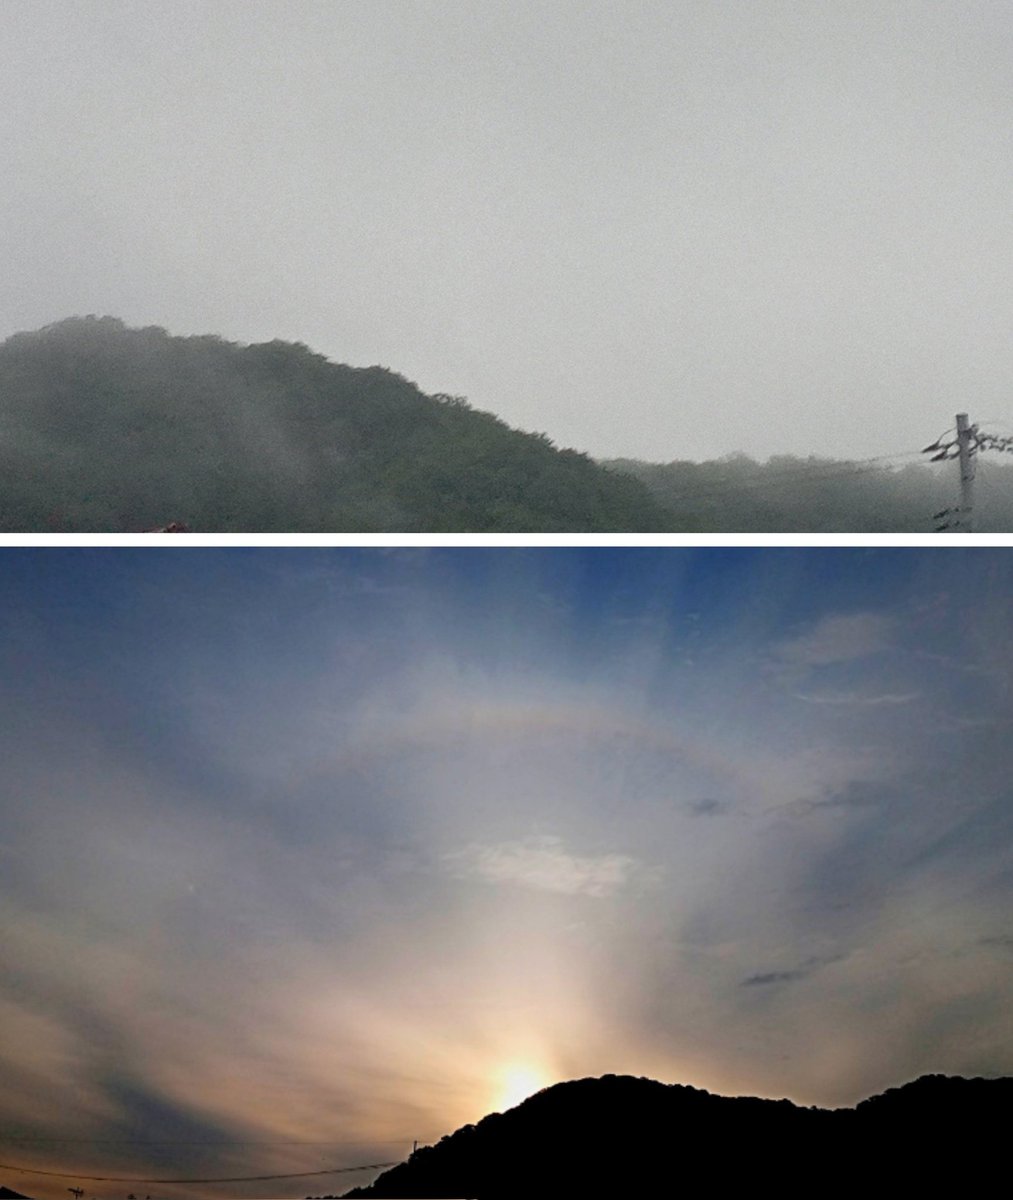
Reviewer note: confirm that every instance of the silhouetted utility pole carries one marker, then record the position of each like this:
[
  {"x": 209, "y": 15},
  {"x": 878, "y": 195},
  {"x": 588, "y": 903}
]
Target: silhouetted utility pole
[{"x": 77, "y": 1193}]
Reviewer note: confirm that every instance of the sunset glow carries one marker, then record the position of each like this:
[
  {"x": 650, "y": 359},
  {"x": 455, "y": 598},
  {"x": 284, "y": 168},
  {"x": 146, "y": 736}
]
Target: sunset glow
[
  {"x": 365, "y": 846},
  {"x": 517, "y": 1082}
]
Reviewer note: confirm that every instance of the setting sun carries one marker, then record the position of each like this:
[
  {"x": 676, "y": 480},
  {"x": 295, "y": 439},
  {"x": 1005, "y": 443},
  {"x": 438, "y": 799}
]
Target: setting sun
[{"x": 516, "y": 1083}]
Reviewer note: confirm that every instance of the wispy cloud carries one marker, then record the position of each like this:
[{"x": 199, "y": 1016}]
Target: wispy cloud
[
  {"x": 842, "y": 637},
  {"x": 858, "y": 699},
  {"x": 858, "y": 794},
  {"x": 1002, "y": 941},
  {"x": 770, "y": 977},
  {"x": 544, "y": 864},
  {"x": 708, "y": 807},
  {"x": 792, "y": 975},
  {"x": 262, "y": 905}
]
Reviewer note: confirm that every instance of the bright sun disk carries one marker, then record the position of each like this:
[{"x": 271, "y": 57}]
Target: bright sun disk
[{"x": 517, "y": 1082}]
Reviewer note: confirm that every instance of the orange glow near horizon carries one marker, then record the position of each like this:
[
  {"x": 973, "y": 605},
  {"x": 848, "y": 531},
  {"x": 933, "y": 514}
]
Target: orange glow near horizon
[{"x": 517, "y": 1082}]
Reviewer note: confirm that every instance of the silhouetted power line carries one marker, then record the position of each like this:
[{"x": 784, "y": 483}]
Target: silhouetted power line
[
  {"x": 217, "y": 1179},
  {"x": 191, "y": 1142}
]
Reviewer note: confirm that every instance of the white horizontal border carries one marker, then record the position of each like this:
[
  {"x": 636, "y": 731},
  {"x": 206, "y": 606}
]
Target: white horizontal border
[{"x": 504, "y": 540}]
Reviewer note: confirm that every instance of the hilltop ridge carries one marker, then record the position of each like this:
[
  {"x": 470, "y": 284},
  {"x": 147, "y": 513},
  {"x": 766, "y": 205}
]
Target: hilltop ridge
[
  {"x": 635, "y": 1136},
  {"x": 108, "y": 428}
]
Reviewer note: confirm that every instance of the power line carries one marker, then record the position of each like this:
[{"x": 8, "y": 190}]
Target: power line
[
  {"x": 970, "y": 441},
  {"x": 219, "y": 1179},
  {"x": 189, "y": 1142}
]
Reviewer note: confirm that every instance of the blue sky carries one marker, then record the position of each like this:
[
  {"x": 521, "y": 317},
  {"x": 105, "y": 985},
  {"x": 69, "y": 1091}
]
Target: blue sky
[{"x": 332, "y": 845}]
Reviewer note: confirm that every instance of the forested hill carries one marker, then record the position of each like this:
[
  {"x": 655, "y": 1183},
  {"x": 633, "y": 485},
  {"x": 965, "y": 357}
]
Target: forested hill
[
  {"x": 621, "y": 1136},
  {"x": 787, "y": 494},
  {"x": 108, "y": 428},
  {"x": 105, "y": 428}
]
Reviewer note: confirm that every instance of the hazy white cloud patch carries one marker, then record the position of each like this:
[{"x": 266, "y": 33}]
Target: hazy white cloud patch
[
  {"x": 544, "y": 864},
  {"x": 857, "y": 698},
  {"x": 839, "y": 638}
]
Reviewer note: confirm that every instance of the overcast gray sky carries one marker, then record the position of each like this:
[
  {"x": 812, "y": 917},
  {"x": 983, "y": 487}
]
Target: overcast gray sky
[{"x": 655, "y": 229}]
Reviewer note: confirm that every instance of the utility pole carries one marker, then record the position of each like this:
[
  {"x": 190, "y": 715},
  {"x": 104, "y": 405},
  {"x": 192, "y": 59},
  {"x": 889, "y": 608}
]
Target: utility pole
[
  {"x": 963, "y": 448},
  {"x": 965, "y": 456},
  {"x": 969, "y": 442}
]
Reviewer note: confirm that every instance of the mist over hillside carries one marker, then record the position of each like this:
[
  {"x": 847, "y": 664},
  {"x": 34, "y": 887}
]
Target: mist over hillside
[
  {"x": 111, "y": 429},
  {"x": 114, "y": 429},
  {"x": 787, "y": 494},
  {"x": 626, "y": 1136}
]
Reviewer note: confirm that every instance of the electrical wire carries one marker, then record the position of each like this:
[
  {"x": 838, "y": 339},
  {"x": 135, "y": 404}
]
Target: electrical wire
[
  {"x": 187, "y": 1142},
  {"x": 218, "y": 1179}
]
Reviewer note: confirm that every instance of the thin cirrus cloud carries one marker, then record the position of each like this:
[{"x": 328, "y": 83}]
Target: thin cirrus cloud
[
  {"x": 544, "y": 864},
  {"x": 838, "y": 638},
  {"x": 857, "y": 698},
  {"x": 359, "y": 830}
]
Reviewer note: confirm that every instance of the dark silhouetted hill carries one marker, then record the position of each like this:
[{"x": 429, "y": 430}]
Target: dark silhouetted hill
[
  {"x": 7, "y": 1194},
  {"x": 114, "y": 429},
  {"x": 636, "y": 1137}
]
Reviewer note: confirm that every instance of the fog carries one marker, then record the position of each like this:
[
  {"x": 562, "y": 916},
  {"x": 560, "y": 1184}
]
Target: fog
[{"x": 652, "y": 230}]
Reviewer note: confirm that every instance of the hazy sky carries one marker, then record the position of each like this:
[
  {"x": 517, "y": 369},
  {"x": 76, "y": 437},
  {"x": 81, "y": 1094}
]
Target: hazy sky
[
  {"x": 346, "y": 847},
  {"x": 663, "y": 229}
]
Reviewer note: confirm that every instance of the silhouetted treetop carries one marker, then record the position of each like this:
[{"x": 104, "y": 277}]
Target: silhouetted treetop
[{"x": 626, "y": 1136}]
